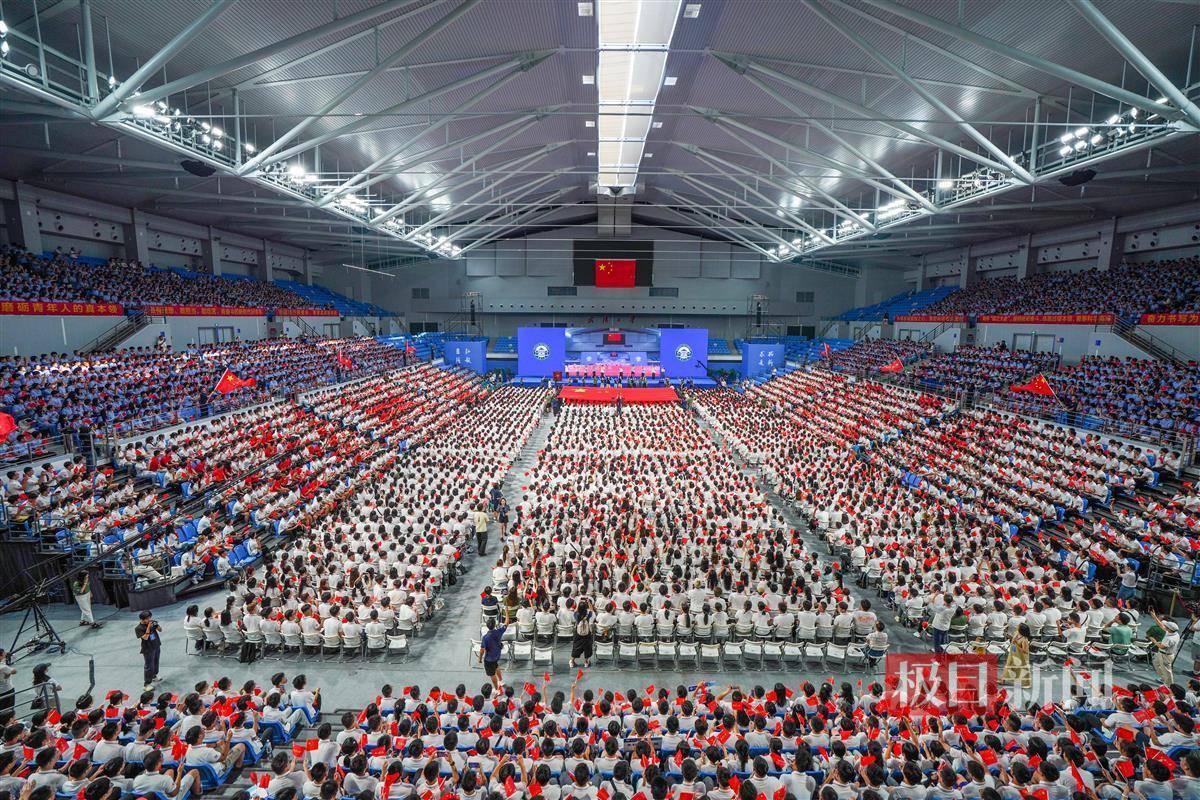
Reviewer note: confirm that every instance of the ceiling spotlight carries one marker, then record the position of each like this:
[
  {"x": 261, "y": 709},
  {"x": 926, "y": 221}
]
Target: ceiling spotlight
[
  {"x": 249, "y": 147},
  {"x": 945, "y": 184},
  {"x": 112, "y": 80},
  {"x": 1065, "y": 150},
  {"x": 1066, "y": 137},
  {"x": 1114, "y": 119},
  {"x": 1097, "y": 138},
  {"x": 3, "y": 28},
  {"x": 1081, "y": 144},
  {"x": 296, "y": 171},
  {"x": 1080, "y": 133},
  {"x": 4, "y": 47}
]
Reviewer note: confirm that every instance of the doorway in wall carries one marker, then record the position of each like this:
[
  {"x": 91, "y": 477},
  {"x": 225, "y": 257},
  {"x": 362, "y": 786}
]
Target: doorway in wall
[{"x": 216, "y": 334}]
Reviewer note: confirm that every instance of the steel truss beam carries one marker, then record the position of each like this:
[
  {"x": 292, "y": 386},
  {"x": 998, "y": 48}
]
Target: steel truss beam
[
  {"x": 713, "y": 193},
  {"x": 357, "y": 127},
  {"x": 395, "y": 57},
  {"x": 486, "y": 91},
  {"x": 874, "y": 52},
  {"x": 519, "y": 219},
  {"x": 105, "y": 108},
  {"x": 790, "y": 217},
  {"x": 841, "y": 211},
  {"x": 414, "y": 197},
  {"x": 1037, "y": 62},
  {"x": 691, "y": 216},
  {"x": 909, "y": 192},
  {"x": 236, "y": 63},
  {"x": 505, "y": 204},
  {"x": 739, "y": 63},
  {"x": 1138, "y": 59}
]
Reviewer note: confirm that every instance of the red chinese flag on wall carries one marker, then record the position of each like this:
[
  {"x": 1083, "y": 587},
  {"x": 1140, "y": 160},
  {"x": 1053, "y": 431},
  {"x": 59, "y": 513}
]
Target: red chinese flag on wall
[{"x": 616, "y": 273}]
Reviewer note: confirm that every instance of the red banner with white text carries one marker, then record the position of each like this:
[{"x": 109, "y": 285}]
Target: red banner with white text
[
  {"x": 1170, "y": 319},
  {"x": 204, "y": 311},
  {"x": 1049, "y": 319},
  {"x": 305, "y": 312},
  {"x": 63, "y": 309},
  {"x": 931, "y": 318}
]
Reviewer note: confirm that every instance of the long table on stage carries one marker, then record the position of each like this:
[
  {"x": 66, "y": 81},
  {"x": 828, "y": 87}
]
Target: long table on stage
[
  {"x": 609, "y": 394},
  {"x": 613, "y": 369}
]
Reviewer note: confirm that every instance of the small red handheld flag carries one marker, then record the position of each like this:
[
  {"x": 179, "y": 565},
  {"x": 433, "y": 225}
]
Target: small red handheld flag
[
  {"x": 896, "y": 365},
  {"x": 7, "y": 425}
]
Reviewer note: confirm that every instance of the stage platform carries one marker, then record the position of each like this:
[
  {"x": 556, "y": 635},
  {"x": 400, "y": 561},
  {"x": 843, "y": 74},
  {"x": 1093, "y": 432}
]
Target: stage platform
[
  {"x": 699, "y": 383},
  {"x": 609, "y": 394}
]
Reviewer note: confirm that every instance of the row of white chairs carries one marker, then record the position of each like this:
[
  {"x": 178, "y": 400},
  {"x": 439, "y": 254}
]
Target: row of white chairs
[
  {"x": 672, "y": 654},
  {"x": 229, "y": 643},
  {"x": 697, "y": 635}
]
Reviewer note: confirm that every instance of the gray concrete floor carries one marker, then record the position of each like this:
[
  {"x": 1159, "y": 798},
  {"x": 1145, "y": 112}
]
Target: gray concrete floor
[{"x": 440, "y": 656}]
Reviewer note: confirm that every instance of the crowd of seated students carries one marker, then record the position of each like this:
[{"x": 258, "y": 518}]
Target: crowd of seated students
[
  {"x": 374, "y": 565},
  {"x": 146, "y": 388},
  {"x": 635, "y": 523},
  {"x": 1166, "y": 529},
  {"x": 828, "y": 741},
  {"x": 1135, "y": 396},
  {"x": 928, "y": 501},
  {"x": 869, "y": 355},
  {"x": 1128, "y": 290},
  {"x": 825, "y": 741},
  {"x": 981, "y": 369},
  {"x": 156, "y": 744},
  {"x": 25, "y": 276}
]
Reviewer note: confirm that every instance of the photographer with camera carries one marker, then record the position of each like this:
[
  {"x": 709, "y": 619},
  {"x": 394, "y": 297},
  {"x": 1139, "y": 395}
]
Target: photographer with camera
[{"x": 149, "y": 633}]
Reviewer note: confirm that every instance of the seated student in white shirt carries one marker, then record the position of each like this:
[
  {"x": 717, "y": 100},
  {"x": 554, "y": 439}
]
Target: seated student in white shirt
[
  {"x": 166, "y": 782},
  {"x": 223, "y": 754}
]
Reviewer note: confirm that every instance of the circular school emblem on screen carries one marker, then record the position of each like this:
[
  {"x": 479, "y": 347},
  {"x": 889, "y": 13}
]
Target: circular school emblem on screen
[
  {"x": 541, "y": 351},
  {"x": 683, "y": 352}
]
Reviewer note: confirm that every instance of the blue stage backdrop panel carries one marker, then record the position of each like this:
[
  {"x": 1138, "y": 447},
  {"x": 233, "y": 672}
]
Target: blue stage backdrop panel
[
  {"x": 471, "y": 354},
  {"x": 684, "y": 352},
  {"x": 759, "y": 358},
  {"x": 541, "y": 351}
]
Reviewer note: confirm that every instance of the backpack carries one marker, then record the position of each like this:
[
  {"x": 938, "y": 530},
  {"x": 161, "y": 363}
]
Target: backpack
[{"x": 584, "y": 627}]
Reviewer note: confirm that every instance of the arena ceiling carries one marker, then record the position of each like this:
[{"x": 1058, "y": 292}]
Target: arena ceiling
[{"x": 852, "y": 131}]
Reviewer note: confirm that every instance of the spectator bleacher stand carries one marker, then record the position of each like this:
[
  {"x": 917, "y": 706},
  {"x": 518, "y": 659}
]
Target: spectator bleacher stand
[
  {"x": 327, "y": 298},
  {"x": 903, "y": 303},
  {"x": 1171, "y": 286},
  {"x": 983, "y": 369},
  {"x": 804, "y": 350},
  {"x": 718, "y": 347},
  {"x": 505, "y": 344}
]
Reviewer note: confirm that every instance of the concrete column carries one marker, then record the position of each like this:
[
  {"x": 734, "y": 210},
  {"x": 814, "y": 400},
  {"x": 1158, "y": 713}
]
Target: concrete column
[
  {"x": 308, "y": 269},
  {"x": 1112, "y": 246},
  {"x": 20, "y": 218},
  {"x": 1027, "y": 259},
  {"x": 966, "y": 275},
  {"x": 265, "y": 271},
  {"x": 922, "y": 271},
  {"x": 137, "y": 239},
  {"x": 210, "y": 252}
]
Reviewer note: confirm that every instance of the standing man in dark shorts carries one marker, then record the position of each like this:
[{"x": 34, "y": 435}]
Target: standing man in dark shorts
[
  {"x": 490, "y": 650},
  {"x": 149, "y": 635}
]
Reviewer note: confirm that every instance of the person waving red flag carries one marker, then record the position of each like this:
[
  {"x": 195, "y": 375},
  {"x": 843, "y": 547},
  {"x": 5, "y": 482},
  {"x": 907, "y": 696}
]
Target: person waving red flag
[
  {"x": 230, "y": 383},
  {"x": 1037, "y": 385},
  {"x": 896, "y": 366}
]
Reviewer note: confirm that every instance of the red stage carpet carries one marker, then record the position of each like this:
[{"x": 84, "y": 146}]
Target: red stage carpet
[{"x": 609, "y": 394}]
